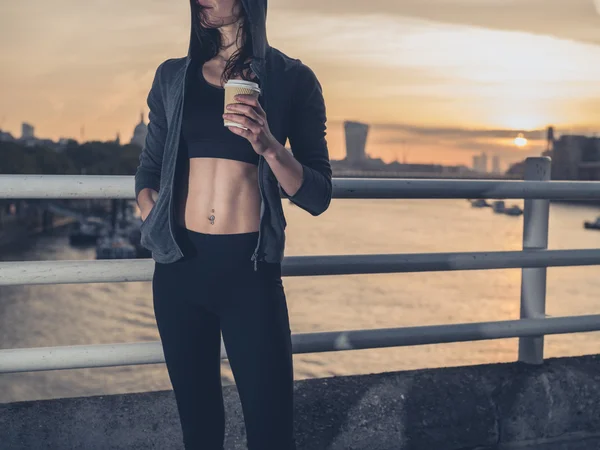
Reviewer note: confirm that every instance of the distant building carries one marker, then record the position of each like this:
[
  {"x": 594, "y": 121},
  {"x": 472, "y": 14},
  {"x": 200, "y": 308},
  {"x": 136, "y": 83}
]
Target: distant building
[
  {"x": 517, "y": 169},
  {"x": 28, "y": 139},
  {"x": 484, "y": 163},
  {"x": 139, "y": 133},
  {"x": 356, "y": 140},
  {"x": 550, "y": 139},
  {"x": 5, "y": 136},
  {"x": 64, "y": 143},
  {"x": 576, "y": 158},
  {"x": 27, "y": 131},
  {"x": 496, "y": 169},
  {"x": 480, "y": 163}
]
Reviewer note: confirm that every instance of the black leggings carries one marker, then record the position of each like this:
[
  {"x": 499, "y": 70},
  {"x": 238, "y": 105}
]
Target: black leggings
[{"x": 212, "y": 289}]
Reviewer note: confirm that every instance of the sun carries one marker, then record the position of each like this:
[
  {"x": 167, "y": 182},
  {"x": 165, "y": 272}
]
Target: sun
[{"x": 520, "y": 141}]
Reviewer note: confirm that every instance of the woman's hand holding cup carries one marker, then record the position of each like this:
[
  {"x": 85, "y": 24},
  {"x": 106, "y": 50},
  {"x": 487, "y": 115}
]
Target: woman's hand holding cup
[{"x": 245, "y": 116}]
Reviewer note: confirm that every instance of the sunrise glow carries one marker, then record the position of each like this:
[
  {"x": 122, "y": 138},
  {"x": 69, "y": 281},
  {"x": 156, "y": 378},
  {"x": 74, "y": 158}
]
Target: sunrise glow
[
  {"x": 520, "y": 141},
  {"x": 444, "y": 77}
]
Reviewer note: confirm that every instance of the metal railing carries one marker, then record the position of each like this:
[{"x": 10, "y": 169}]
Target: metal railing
[{"x": 537, "y": 190}]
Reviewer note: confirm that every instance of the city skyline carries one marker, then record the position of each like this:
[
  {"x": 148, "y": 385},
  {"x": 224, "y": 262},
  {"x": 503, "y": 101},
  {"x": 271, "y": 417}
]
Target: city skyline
[
  {"x": 355, "y": 139},
  {"x": 439, "y": 80}
]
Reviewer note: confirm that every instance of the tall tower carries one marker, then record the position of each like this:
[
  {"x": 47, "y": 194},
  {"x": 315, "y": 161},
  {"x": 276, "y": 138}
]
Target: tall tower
[
  {"x": 356, "y": 140},
  {"x": 480, "y": 162},
  {"x": 27, "y": 131},
  {"x": 550, "y": 140},
  {"x": 476, "y": 163},
  {"x": 496, "y": 169},
  {"x": 484, "y": 162}
]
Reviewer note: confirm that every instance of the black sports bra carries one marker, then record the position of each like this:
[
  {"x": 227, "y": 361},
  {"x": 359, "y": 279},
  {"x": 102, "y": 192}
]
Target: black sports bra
[{"x": 202, "y": 129}]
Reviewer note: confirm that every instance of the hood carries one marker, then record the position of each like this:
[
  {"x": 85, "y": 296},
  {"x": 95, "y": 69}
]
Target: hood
[{"x": 256, "y": 11}]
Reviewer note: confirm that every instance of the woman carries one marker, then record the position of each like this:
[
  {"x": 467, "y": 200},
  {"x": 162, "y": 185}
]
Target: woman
[{"x": 210, "y": 199}]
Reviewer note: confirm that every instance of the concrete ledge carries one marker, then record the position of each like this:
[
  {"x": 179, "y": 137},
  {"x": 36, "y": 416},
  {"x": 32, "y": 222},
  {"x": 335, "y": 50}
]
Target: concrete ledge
[{"x": 497, "y": 406}]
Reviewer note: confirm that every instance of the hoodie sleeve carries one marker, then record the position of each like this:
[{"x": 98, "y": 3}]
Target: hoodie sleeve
[
  {"x": 308, "y": 143},
  {"x": 150, "y": 161}
]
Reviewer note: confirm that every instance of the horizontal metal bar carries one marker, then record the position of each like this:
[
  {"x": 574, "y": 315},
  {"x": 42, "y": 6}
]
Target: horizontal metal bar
[
  {"x": 80, "y": 356},
  {"x": 122, "y": 270},
  {"x": 357, "y": 173},
  {"x": 67, "y": 186},
  {"x": 439, "y": 334},
  {"x": 436, "y": 262},
  {"x": 106, "y": 355},
  {"x": 446, "y": 189},
  {"x": 75, "y": 271},
  {"x": 118, "y": 186}
]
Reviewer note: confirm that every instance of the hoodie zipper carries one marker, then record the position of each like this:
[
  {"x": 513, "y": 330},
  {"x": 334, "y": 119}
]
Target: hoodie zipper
[
  {"x": 171, "y": 210},
  {"x": 255, "y": 255},
  {"x": 262, "y": 211}
]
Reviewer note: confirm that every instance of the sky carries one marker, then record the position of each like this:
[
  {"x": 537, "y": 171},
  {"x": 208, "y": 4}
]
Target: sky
[{"x": 437, "y": 80}]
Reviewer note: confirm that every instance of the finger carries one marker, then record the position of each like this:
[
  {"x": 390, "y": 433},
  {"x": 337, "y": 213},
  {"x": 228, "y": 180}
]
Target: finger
[
  {"x": 247, "y": 99},
  {"x": 246, "y": 110},
  {"x": 244, "y": 121},
  {"x": 250, "y": 100},
  {"x": 259, "y": 109}
]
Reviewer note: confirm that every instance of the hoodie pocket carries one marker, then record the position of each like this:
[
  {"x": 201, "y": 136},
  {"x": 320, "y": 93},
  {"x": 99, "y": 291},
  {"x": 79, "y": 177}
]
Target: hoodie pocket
[
  {"x": 154, "y": 225},
  {"x": 148, "y": 217}
]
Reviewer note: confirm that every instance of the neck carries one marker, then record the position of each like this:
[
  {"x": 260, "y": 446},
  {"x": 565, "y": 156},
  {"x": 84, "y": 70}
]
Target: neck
[{"x": 229, "y": 40}]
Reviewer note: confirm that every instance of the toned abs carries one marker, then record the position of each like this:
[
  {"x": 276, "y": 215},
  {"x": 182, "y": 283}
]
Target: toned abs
[{"x": 221, "y": 196}]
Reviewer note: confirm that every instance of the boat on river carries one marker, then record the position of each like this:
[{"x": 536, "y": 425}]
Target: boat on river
[{"x": 595, "y": 225}]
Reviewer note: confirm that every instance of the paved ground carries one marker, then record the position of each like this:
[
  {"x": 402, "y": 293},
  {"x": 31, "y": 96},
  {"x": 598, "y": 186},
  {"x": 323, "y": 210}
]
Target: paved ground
[
  {"x": 582, "y": 444},
  {"x": 588, "y": 444},
  {"x": 466, "y": 408}
]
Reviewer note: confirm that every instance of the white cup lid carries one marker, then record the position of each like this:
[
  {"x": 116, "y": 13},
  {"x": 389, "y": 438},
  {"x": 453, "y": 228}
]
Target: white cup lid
[{"x": 244, "y": 83}]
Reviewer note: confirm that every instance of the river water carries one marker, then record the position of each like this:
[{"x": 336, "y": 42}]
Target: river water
[{"x": 55, "y": 315}]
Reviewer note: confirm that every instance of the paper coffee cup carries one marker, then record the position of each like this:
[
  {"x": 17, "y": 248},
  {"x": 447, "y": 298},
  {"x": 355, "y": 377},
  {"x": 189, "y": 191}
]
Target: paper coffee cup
[{"x": 236, "y": 87}]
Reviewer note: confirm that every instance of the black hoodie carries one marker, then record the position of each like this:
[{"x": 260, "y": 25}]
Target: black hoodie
[{"x": 293, "y": 101}]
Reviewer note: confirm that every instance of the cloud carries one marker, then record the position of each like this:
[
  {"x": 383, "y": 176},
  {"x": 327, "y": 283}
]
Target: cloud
[
  {"x": 437, "y": 63},
  {"x": 414, "y": 70},
  {"x": 461, "y": 133},
  {"x": 569, "y": 19},
  {"x": 467, "y": 53}
]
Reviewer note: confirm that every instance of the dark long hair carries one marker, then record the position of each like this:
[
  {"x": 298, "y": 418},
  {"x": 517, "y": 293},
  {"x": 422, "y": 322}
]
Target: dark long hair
[{"x": 210, "y": 41}]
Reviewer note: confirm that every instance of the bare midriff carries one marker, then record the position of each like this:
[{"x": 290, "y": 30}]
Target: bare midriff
[{"x": 221, "y": 197}]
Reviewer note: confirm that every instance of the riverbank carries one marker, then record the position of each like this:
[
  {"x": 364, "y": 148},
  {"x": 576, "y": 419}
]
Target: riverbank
[{"x": 14, "y": 230}]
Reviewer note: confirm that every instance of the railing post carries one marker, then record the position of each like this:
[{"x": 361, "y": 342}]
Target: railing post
[{"x": 533, "y": 280}]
